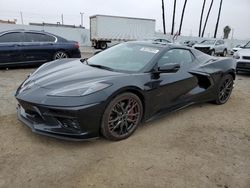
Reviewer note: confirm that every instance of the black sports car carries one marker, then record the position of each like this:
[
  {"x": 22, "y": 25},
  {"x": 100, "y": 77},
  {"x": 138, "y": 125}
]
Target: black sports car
[
  {"x": 117, "y": 89},
  {"x": 25, "y": 47}
]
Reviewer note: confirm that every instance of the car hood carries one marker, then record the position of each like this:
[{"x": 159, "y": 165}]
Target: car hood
[
  {"x": 61, "y": 73},
  {"x": 202, "y": 45},
  {"x": 244, "y": 52}
]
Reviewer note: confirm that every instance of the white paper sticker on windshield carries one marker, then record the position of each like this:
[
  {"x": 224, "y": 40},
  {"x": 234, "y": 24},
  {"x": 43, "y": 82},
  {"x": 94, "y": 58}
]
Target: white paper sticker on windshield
[{"x": 150, "y": 50}]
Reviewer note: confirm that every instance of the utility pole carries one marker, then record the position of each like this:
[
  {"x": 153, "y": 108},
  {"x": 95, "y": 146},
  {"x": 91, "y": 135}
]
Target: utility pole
[
  {"x": 21, "y": 14},
  {"x": 163, "y": 17},
  {"x": 81, "y": 13},
  {"x": 232, "y": 33},
  {"x": 62, "y": 18}
]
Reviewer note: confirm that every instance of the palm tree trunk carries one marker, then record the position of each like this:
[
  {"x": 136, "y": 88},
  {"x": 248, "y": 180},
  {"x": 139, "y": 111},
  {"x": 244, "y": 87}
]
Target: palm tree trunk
[
  {"x": 202, "y": 12},
  {"x": 182, "y": 16},
  {"x": 172, "y": 31},
  {"x": 163, "y": 17},
  {"x": 218, "y": 20},
  {"x": 205, "y": 25}
]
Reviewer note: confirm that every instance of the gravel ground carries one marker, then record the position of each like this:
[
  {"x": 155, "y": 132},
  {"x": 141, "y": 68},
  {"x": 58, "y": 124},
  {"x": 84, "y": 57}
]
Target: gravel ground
[{"x": 201, "y": 146}]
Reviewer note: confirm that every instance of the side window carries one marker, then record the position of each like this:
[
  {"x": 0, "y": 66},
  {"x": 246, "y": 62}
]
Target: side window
[
  {"x": 180, "y": 56},
  {"x": 166, "y": 41},
  {"x": 217, "y": 42},
  {"x": 11, "y": 37},
  {"x": 158, "y": 40},
  {"x": 38, "y": 37},
  {"x": 48, "y": 38}
]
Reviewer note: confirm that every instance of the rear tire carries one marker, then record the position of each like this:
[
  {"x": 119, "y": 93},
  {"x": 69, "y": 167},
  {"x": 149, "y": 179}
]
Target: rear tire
[
  {"x": 122, "y": 117},
  {"x": 224, "y": 89},
  {"x": 103, "y": 45},
  {"x": 60, "y": 55}
]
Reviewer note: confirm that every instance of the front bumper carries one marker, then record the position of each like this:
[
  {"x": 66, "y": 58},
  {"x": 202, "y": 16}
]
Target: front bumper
[
  {"x": 243, "y": 65},
  {"x": 74, "y": 123}
]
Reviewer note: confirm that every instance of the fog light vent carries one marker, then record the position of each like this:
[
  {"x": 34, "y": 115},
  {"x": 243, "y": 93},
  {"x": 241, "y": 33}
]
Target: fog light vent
[{"x": 69, "y": 123}]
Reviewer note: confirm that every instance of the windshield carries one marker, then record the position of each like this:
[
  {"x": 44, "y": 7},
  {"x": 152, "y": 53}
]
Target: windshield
[
  {"x": 247, "y": 45},
  {"x": 125, "y": 57},
  {"x": 208, "y": 42}
]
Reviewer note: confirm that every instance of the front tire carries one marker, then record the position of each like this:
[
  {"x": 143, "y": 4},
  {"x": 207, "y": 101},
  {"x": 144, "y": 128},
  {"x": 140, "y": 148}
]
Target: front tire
[
  {"x": 122, "y": 117},
  {"x": 212, "y": 53},
  {"x": 224, "y": 53},
  {"x": 224, "y": 89}
]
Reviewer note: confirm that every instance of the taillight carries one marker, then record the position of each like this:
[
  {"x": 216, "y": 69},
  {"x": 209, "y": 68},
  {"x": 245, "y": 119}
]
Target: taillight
[{"x": 77, "y": 45}]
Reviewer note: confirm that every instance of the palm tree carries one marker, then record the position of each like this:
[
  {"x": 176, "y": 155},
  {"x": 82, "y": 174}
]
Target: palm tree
[
  {"x": 227, "y": 31},
  {"x": 182, "y": 16},
  {"x": 202, "y": 12},
  {"x": 163, "y": 17},
  {"x": 172, "y": 31},
  {"x": 205, "y": 25},
  {"x": 218, "y": 20}
]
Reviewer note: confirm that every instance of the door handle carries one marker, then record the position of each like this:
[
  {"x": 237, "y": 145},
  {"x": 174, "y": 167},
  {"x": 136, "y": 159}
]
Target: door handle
[{"x": 17, "y": 45}]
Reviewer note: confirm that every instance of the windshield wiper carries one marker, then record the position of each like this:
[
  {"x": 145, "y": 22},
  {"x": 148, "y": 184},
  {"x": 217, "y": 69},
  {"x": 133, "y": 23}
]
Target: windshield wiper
[{"x": 101, "y": 67}]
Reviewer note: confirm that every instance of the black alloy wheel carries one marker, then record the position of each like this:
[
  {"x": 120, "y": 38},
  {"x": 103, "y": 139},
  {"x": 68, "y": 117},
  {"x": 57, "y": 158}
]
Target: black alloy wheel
[
  {"x": 122, "y": 117},
  {"x": 225, "y": 89}
]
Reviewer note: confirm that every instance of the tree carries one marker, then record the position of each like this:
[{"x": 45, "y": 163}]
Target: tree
[
  {"x": 172, "y": 31},
  {"x": 202, "y": 12},
  {"x": 163, "y": 17},
  {"x": 227, "y": 31},
  {"x": 208, "y": 13},
  {"x": 218, "y": 20},
  {"x": 182, "y": 16}
]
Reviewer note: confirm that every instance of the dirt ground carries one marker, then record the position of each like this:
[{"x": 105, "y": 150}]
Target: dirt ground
[{"x": 201, "y": 146}]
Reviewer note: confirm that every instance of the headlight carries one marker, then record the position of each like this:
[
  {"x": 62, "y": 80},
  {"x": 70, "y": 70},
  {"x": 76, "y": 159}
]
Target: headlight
[
  {"x": 76, "y": 90},
  {"x": 236, "y": 55}
]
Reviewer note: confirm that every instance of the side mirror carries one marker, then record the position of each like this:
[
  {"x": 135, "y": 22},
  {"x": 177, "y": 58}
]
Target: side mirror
[{"x": 169, "y": 68}]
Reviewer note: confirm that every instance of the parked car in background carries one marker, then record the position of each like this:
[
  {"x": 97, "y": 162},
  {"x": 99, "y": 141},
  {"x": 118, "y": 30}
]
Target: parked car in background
[
  {"x": 212, "y": 47},
  {"x": 242, "y": 57},
  {"x": 235, "y": 49},
  {"x": 114, "y": 91},
  {"x": 160, "y": 40},
  {"x": 189, "y": 43},
  {"x": 26, "y": 47}
]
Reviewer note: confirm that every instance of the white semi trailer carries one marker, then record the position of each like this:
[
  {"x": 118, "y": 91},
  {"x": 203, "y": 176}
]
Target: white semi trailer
[{"x": 105, "y": 29}]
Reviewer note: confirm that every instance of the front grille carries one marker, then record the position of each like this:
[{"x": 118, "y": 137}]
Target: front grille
[
  {"x": 50, "y": 117},
  {"x": 243, "y": 65},
  {"x": 246, "y": 57}
]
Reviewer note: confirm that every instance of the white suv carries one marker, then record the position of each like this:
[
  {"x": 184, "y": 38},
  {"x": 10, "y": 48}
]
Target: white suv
[
  {"x": 212, "y": 47},
  {"x": 243, "y": 58}
]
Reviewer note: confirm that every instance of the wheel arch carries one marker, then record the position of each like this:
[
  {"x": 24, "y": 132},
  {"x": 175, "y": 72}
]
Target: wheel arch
[
  {"x": 232, "y": 73},
  {"x": 131, "y": 89}
]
